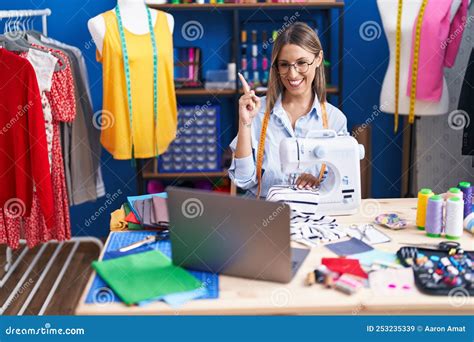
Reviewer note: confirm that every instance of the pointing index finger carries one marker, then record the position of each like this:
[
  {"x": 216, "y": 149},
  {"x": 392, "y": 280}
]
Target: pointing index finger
[{"x": 245, "y": 85}]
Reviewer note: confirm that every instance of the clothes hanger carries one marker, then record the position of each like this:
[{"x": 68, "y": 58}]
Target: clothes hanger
[
  {"x": 32, "y": 32},
  {"x": 25, "y": 43},
  {"x": 9, "y": 43},
  {"x": 61, "y": 65}
]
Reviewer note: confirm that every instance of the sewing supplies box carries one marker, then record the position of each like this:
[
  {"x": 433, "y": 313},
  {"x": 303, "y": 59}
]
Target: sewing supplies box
[{"x": 196, "y": 147}]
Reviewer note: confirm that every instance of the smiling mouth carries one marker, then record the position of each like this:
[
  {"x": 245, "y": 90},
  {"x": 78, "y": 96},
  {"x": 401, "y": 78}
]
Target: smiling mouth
[{"x": 295, "y": 83}]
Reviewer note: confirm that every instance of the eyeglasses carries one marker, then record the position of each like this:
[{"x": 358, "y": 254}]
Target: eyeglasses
[{"x": 300, "y": 66}]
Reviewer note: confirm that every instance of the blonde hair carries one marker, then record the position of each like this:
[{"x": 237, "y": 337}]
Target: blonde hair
[{"x": 305, "y": 37}]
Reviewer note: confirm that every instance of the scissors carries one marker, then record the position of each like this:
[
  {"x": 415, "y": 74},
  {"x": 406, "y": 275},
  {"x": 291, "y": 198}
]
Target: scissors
[
  {"x": 148, "y": 240},
  {"x": 362, "y": 230},
  {"x": 443, "y": 245}
]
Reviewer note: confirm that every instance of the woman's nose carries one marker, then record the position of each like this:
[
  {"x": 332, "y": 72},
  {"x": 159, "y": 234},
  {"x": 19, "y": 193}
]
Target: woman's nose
[{"x": 292, "y": 72}]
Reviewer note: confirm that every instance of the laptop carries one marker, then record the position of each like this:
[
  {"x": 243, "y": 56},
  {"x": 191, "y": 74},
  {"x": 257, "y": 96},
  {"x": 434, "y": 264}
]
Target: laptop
[{"x": 232, "y": 235}]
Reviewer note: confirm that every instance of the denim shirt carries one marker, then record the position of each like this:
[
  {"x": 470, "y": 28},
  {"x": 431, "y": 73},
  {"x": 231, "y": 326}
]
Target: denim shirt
[{"x": 243, "y": 171}]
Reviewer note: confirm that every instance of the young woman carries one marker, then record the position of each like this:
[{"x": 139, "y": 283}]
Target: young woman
[{"x": 295, "y": 104}]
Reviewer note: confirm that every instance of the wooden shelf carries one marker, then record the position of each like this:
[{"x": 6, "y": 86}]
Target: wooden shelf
[
  {"x": 329, "y": 90},
  {"x": 204, "y": 92},
  {"x": 262, "y": 5},
  {"x": 176, "y": 175},
  {"x": 229, "y": 92}
]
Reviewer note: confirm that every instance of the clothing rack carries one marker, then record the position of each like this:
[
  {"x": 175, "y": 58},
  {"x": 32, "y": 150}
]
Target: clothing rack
[
  {"x": 44, "y": 13},
  {"x": 10, "y": 265}
]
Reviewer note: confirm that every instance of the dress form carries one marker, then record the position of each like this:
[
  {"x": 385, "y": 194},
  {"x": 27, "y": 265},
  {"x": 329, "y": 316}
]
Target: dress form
[
  {"x": 134, "y": 20},
  {"x": 410, "y": 10}
]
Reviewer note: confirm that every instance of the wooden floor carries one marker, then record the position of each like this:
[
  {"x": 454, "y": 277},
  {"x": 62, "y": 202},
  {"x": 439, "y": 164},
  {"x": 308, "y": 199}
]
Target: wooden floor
[{"x": 70, "y": 288}]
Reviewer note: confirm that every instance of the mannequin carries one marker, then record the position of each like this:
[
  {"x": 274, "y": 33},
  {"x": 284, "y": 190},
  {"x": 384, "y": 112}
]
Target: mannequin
[
  {"x": 134, "y": 20},
  {"x": 388, "y": 11}
]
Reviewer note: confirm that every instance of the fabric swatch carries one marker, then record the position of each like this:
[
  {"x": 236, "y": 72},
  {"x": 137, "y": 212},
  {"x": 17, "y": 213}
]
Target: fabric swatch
[
  {"x": 160, "y": 209},
  {"x": 314, "y": 229},
  {"x": 368, "y": 258},
  {"x": 345, "y": 266},
  {"x": 352, "y": 246},
  {"x": 302, "y": 200},
  {"x": 138, "y": 277}
]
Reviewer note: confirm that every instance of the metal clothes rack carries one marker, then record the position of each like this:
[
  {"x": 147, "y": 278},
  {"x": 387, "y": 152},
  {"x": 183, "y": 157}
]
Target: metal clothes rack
[{"x": 10, "y": 265}]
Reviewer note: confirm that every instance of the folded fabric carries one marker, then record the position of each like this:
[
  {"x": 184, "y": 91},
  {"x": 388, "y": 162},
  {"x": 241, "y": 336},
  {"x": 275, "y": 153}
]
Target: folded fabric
[
  {"x": 117, "y": 220},
  {"x": 352, "y": 246},
  {"x": 313, "y": 229},
  {"x": 139, "y": 206},
  {"x": 133, "y": 223},
  {"x": 175, "y": 300},
  {"x": 160, "y": 210},
  {"x": 302, "y": 200},
  {"x": 345, "y": 266},
  {"x": 139, "y": 277},
  {"x": 375, "y": 255},
  {"x": 131, "y": 218},
  {"x": 148, "y": 213},
  {"x": 132, "y": 199}
]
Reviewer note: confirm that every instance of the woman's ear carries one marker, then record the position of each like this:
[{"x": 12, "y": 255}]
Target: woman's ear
[{"x": 320, "y": 59}]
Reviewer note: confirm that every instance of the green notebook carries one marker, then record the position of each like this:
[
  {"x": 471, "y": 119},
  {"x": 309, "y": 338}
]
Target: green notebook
[{"x": 143, "y": 276}]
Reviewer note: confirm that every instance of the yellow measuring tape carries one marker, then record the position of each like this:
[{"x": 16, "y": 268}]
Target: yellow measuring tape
[
  {"x": 261, "y": 147},
  {"x": 414, "y": 71},
  {"x": 397, "y": 61}
]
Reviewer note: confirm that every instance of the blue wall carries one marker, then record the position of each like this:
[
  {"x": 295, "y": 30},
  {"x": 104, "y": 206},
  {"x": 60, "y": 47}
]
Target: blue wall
[{"x": 365, "y": 62}]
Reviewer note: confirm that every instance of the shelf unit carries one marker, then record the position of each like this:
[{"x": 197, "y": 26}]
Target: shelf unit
[
  {"x": 331, "y": 90},
  {"x": 264, "y": 5},
  {"x": 148, "y": 170}
]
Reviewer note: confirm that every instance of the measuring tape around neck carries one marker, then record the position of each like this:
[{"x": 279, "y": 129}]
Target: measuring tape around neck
[
  {"x": 126, "y": 65},
  {"x": 414, "y": 71},
  {"x": 261, "y": 147}
]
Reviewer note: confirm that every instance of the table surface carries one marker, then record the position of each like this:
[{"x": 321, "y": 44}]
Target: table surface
[{"x": 244, "y": 296}]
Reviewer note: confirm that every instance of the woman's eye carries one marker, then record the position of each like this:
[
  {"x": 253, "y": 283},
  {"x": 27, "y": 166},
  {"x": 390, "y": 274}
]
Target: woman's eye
[{"x": 301, "y": 63}]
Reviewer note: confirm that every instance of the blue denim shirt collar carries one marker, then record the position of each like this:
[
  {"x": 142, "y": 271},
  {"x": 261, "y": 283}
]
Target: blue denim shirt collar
[{"x": 315, "y": 108}]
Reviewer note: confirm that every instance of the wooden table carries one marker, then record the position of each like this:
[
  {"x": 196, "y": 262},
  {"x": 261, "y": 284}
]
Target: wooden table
[{"x": 243, "y": 296}]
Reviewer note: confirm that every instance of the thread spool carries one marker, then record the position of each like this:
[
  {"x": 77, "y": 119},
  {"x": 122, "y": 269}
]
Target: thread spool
[
  {"x": 466, "y": 188},
  {"x": 469, "y": 223},
  {"x": 423, "y": 196},
  {"x": 434, "y": 216},
  {"x": 454, "y": 218},
  {"x": 454, "y": 192}
]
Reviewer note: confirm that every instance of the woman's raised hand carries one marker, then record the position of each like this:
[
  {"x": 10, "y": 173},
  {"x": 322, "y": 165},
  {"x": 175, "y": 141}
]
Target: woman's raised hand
[{"x": 249, "y": 103}]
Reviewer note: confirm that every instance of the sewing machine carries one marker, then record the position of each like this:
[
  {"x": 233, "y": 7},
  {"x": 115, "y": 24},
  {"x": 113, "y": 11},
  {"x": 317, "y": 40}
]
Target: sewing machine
[{"x": 340, "y": 192}]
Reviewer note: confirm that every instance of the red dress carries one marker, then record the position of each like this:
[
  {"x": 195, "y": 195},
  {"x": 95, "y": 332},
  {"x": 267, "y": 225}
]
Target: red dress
[
  {"x": 23, "y": 149},
  {"x": 35, "y": 227},
  {"x": 63, "y": 108}
]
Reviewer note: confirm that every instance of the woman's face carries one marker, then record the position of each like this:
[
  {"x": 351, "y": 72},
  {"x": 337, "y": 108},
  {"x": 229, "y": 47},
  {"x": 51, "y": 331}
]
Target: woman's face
[{"x": 297, "y": 83}]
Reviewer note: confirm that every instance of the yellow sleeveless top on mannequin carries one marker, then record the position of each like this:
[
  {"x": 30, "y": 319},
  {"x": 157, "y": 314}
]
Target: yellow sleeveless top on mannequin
[{"x": 116, "y": 137}]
